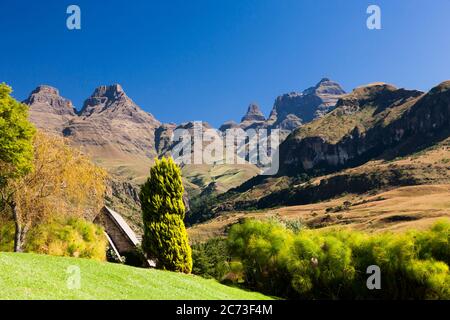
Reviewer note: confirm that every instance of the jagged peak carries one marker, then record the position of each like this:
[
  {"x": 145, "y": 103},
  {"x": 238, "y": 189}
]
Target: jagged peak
[
  {"x": 254, "y": 113},
  {"x": 105, "y": 96},
  {"x": 109, "y": 91}
]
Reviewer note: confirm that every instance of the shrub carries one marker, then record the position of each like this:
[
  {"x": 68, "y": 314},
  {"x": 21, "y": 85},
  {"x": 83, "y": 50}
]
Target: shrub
[
  {"x": 260, "y": 246},
  {"x": 435, "y": 243},
  {"x": 74, "y": 237},
  {"x": 320, "y": 265},
  {"x": 165, "y": 237},
  {"x": 332, "y": 264}
]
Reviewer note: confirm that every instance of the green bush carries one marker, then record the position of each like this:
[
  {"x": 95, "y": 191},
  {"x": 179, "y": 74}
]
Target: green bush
[
  {"x": 165, "y": 238},
  {"x": 332, "y": 264},
  {"x": 435, "y": 243},
  {"x": 211, "y": 259},
  {"x": 73, "y": 237},
  {"x": 261, "y": 247}
]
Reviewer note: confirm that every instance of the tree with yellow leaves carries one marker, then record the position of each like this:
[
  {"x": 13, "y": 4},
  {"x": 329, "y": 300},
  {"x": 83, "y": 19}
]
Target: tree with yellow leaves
[{"x": 63, "y": 183}]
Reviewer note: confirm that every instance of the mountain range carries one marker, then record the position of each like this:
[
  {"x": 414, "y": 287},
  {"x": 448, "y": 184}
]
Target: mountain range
[
  {"x": 333, "y": 143},
  {"x": 124, "y": 138}
]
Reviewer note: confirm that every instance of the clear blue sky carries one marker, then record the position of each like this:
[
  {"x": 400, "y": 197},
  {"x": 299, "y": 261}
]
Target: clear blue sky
[{"x": 208, "y": 59}]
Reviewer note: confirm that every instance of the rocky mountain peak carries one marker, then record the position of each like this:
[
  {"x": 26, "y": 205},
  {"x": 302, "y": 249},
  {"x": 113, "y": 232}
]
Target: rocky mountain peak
[
  {"x": 253, "y": 113},
  {"x": 328, "y": 87},
  {"x": 111, "y": 92},
  {"x": 111, "y": 101},
  {"x": 46, "y": 99},
  {"x": 45, "y": 89},
  {"x": 325, "y": 87}
]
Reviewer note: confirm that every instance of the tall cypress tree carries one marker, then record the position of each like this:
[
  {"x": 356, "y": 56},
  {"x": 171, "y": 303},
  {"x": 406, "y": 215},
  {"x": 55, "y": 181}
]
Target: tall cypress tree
[{"x": 165, "y": 237}]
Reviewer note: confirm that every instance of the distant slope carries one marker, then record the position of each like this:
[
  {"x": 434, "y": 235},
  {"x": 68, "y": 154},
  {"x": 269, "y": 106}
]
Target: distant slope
[
  {"x": 30, "y": 276},
  {"x": 216, "y": 178}
]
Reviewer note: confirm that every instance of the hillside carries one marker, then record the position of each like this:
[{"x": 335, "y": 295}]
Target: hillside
[
  {"x": 31, "y": 276},
  {"x": 423, "y": 168},
  {"x": 412, "y": 207}
]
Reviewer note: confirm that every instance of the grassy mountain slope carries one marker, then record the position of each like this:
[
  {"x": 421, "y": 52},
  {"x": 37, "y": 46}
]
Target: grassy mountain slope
[{"x": 31, "y": 276}]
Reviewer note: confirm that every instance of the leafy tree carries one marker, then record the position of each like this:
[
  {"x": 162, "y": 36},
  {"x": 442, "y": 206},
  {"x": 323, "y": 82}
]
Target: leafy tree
[
  {"x": 16, "y": 151},
  {"x": 63, "y": 183},
  {"x": 165, "y": 237}
]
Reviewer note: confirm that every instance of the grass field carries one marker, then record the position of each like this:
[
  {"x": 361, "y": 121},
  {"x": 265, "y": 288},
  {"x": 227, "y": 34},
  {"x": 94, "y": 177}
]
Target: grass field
[{"x": 31, "y": 276}]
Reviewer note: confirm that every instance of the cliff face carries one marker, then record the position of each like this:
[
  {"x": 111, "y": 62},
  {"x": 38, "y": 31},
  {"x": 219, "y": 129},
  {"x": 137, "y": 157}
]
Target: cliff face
[{"x": 373, "y": 121}]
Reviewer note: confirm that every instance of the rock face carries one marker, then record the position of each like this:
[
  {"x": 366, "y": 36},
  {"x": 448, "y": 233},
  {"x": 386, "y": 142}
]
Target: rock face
[
  {"x": 291, "y": 110},
  {"x": 377, "y": 120},
  {"x": 49, "y": 110}
]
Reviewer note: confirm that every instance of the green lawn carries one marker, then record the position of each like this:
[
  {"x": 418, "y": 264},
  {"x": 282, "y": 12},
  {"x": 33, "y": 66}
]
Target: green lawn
[{"x": 31, "y": 276}]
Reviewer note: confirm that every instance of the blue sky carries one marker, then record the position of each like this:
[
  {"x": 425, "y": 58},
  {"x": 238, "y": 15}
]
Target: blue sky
[{"x": 208, "y": 59}]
